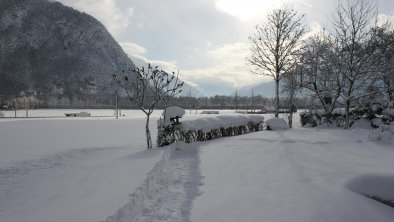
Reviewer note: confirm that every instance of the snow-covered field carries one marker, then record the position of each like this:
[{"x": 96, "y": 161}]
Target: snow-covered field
[
  {"x": 98, "y": 169},
  {"x": 70, "y": 169}
]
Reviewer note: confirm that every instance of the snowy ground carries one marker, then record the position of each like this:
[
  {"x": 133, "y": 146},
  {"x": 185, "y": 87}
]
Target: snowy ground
[
  {"x": 93, "y": 169},
  {"x": 295, "y": 175},
  {"x": 71, "y": 169}
]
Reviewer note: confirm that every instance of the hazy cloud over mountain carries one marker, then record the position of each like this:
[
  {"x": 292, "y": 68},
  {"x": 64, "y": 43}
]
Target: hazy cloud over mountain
[{"x": 205, "y": 39}]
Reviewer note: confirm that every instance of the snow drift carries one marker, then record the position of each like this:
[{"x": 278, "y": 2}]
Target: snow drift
[{"x": 277, "y": 124}]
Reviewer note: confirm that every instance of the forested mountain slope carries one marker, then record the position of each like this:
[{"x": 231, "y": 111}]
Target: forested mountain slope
[{"x": 47, "y": 48}]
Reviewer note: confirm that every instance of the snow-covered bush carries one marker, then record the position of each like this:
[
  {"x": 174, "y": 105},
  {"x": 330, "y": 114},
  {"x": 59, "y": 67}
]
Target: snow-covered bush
[
  {"x": 310, "y": 119},
  {"x": 277, "y": 124},
  {"x": 165, "y": 134},
  {"x": 209, "y": 128},
  {"x": 388, "y": 115},
  {"x": 165, "y": 125},
  {"x": 383, "y": 133},
  {"x": 375, "y": 116}
]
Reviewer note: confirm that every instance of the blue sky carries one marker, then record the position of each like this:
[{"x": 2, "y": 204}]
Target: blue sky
[{"x": 207, "y": 40}]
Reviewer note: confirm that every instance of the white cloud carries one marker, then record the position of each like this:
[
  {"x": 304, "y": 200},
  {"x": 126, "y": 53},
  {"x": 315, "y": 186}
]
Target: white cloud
[
  {"x": 229, "y": 53},
  {"x": 228, "y": 59},
  {"x": 169, "y": 66},
  {"x": 314, "y": 29},
  {"x": 247, "y": 9},
  {"x": 135, "y": 51},
  {"x": 106, "y": 11},
  {"x": 230, "y": 66},
  {"x": 304, "y": 3}
]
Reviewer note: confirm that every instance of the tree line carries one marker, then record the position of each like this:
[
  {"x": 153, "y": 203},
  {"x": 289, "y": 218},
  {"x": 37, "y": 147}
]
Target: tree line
[{"x": 349, "y": 65}]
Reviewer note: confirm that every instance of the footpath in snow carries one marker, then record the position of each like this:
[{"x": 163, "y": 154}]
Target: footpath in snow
[{"x": 168, "y": 191}]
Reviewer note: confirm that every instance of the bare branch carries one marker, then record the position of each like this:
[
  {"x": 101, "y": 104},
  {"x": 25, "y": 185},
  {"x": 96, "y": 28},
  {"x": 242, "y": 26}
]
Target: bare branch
[
  {"x": 275, "y": 45},
  {"x": 146, "y": 87}
]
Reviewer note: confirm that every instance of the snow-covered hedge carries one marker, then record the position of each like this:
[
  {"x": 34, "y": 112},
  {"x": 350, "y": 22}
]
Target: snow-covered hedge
[
  {"x": 383, "y": 133},
  {"x": 207, "y": 124},
  {"x": 165, "y": 125},
  {"x": 209, "y": 128},
  {"x": 375, "y": 117}
]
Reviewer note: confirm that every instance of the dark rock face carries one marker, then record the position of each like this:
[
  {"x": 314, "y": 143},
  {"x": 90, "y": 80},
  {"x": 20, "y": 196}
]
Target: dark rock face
[{"x": 50, "y": 49}]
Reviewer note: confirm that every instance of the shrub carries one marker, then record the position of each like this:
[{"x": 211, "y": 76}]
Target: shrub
[
  {"x": 208, "y": 128},
  {"x": 376, "y": 117}
]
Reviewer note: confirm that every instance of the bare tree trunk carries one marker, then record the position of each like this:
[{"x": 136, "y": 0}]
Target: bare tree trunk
[
  {"x": 147, "y": 133},
  {"x": 347, "y": 114},
  {"x": 389, "y": 93},
  {"x": 291, "y": 110},
  {"x": 291, "y": 119},
  {"x": 277, "y": 98}
]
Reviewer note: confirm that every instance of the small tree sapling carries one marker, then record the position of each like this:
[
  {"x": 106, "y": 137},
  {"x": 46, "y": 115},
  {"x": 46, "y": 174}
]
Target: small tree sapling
[{"x": 146, "y": 88}]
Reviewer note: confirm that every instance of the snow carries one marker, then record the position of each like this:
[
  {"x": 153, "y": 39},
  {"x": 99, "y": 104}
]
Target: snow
[
  {"x": 206, "y": 124},
  {"x": 384, "y": 133},
  {"x": 373, "y": 185},
  {"x": 277, "y": 124},
  {"x": 362, "y": 123},
  {"x": 170, "y": 113},
  {"x": 70, "y": 170},
  {"x": 95, "y": 113},
  {"x": 98, "y": 169},
  {"x": 297, "y": 175},
  {"x": 168, "y": 191},
  {"x": 173, "y": 111}
]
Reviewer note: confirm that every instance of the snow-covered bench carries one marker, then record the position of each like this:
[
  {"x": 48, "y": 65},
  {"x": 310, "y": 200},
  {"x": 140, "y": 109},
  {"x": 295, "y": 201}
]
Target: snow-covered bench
[
  {"x": 210, "y": 112},
  {"x": 80, "y": 114}
]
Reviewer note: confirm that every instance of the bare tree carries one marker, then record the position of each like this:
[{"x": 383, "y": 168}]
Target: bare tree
[
  {"x": 317, "y": 73},
  {"x": 353, "y": 20},
  {"x": 146, "y": 88},
  {"x": 171, "y": 93},
  {"x": 383, "y": 58},
  {"x": 290, "y": 87},
  {"x": 23, "y": 102},
  {"x": 275, "y": 46}
]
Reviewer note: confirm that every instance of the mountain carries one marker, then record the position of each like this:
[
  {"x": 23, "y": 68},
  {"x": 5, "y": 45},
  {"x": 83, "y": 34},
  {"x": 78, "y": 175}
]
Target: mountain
[
  {"x": 47, "y": 48},
  {"x": 265, "y": 89}
]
